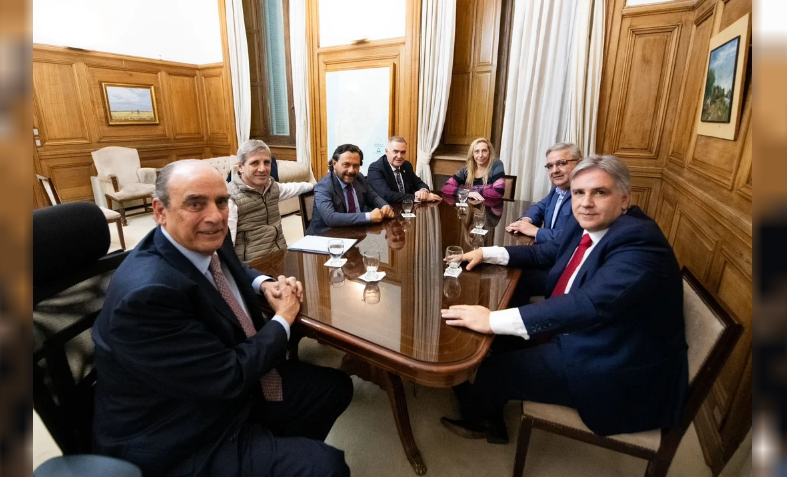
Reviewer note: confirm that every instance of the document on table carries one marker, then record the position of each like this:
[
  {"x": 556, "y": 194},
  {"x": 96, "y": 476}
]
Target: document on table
[{"x": 319, "y": 244}]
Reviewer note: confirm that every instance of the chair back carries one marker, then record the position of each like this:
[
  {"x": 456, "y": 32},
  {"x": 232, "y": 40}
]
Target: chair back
[
  {"x": 71, "y": 274},
  {"x": 711, "y": 335},
  {"x": 123, "y": 162},
  {"x": 48, "y": 189},
  {"x": 306, "y": 202},
  {"x": 510, "y": 191}
]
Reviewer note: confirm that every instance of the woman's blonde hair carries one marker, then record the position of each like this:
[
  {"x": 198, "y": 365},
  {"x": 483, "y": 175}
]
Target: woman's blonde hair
[{"x": 470, "y": 163}]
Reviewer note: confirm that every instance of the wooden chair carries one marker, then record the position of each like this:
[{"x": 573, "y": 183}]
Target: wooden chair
[
  {"x": 306, "y": 202},
  {"x": 123, "y": 178},
  {"x": 54, "y": 199},
  {"x": 711, "y": 335},
  {"x": 510, "y": 191}
]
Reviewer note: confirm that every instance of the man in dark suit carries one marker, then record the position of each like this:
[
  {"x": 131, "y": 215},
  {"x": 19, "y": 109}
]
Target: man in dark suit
[
  {"x": 393, "y": 178},
  {"x": 545, "y": 220},
  {"x": 343, "y": 197},
  {"x": 617, "y": 351},
  {"x": 191, "y": 378}
]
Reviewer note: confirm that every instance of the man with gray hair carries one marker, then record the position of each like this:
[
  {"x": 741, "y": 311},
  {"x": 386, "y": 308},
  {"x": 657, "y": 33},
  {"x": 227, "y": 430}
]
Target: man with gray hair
[
  {"x": 393, "y": 178},
  {"x": 545, "y": 220},
  {"x": 608, "y": 340},
  {"x": 254, "y": 218}
]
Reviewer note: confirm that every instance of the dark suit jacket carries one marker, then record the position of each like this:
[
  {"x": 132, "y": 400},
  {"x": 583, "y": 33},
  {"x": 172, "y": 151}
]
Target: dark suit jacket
[
  {"x": 541, "y": 215},
  {"x": 383, "y": 181},
  {"x": 176, "y": 374},
  {"x": 330, "y": 209},
  {"x": 620, "y": 327}
]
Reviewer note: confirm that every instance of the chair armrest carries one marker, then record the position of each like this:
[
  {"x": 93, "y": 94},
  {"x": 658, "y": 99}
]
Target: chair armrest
[
  {"x": 112, "y": 178},
  {"x": 147, "y": 175},
  {"x": 291, "y": 171}
]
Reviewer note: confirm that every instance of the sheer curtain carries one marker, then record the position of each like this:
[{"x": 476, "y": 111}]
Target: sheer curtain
[
  {"x": 438, "y": 28},
  {"x": 553, "y": 81},
  {"x": 300, "y": 83},
  {"x": 239, "y": 69}
]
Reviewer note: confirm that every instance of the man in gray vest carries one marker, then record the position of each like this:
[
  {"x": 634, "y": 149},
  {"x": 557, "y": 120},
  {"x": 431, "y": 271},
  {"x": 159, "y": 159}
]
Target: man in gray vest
[{"x": 254, "y": 218}]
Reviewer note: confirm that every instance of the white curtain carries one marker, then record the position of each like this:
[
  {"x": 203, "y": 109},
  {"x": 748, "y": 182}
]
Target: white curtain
[
  {"x": 584, "y": 82},
  {"x": 438, "y": 28},
  {"x": 552, "y": 91},
  {"x": 300, "y": 83},
  {"x": 239, "y": 69}
]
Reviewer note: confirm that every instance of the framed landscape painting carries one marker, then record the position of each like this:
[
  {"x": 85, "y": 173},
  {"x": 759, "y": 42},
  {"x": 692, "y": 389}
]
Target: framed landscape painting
[
  {"x": 129, "y": 104},
  {"x": 721, "y": 100}
]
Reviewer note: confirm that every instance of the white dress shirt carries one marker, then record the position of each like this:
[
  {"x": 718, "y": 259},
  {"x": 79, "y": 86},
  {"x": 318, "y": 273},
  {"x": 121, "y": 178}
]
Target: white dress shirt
[
  {"x": 202, "y": 262},
  {"x": 509, "y": 321},
  {"x": 286, "y": 191}
]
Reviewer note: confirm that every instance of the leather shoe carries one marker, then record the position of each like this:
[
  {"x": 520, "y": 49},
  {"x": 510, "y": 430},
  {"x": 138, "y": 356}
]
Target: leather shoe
[{"x": 494, "y": 434}]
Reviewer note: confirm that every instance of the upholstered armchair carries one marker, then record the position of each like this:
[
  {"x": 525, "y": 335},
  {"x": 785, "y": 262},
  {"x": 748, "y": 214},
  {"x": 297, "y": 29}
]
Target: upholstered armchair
[{"x": 122, "y": 178}]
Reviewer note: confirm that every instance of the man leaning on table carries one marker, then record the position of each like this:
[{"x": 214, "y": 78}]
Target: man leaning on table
[
  {"x": 614, "y": 318},
  {"x": 545, "y": 220},
  {"x": 192, "y": 379},
  {"x": 393, "y": 177},
  {"x": 343, "y": 197}
]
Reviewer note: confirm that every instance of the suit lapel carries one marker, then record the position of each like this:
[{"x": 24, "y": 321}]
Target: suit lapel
[
  {"x": 389, "y": 175},
  {"x": 338, "y": 191},
  {"x": 181, "y": 263},
  {"x": 565, "y": 257}
]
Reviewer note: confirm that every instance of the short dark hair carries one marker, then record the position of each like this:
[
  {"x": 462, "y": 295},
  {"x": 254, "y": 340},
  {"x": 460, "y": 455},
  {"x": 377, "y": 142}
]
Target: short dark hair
[{"x": 341, "y": 150}]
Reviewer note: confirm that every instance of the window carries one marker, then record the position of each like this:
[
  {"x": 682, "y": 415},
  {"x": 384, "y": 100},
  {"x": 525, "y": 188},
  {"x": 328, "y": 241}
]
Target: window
[{"x": 267, "y": 33}]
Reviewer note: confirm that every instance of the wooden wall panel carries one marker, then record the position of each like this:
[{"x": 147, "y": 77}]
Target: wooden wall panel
[
  {"x": 697, "y": 188},
  {"x": 471, "y": 100},
  {"x": 61, "y": 117},
  {"x": 69, "y": 113}
]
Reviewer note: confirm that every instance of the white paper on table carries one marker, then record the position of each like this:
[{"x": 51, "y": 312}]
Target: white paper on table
[
  {"x": 338, "y": 263},
  {"x": 319, "y": 244},
  {"x": 366, "y": 278}
]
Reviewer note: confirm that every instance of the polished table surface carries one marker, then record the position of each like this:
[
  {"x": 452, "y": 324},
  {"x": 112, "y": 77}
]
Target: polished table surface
[{"x": 394, "y": 326}]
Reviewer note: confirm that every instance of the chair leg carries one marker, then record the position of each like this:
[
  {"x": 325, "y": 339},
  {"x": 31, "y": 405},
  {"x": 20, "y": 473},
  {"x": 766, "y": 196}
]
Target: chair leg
[
  {"x": 120, "y": 235},
  {"x": 123, "y": 214},
  {"x": 522, "y": 443},
  {"x": 658, "y": 466}
]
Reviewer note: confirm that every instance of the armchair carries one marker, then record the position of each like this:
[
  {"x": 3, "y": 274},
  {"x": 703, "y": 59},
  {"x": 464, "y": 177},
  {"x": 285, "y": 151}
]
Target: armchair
[{"x": 122, "y": 179}]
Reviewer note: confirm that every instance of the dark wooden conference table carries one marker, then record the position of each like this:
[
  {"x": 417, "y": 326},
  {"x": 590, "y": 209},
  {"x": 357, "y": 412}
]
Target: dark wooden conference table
[{"x": 392, "y": 330}]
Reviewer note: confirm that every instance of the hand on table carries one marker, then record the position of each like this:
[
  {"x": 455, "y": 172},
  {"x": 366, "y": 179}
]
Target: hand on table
[
  {"x": 474, "y": 195},
  {"x": 422, "y": 195},
  {"x": 524, "y": 227},
  {"x": 283, "y": 297},
  {"x": 474, "y": 317},
  {"x": 387, "y": 212},
  {"x": 473, "y": 258}
]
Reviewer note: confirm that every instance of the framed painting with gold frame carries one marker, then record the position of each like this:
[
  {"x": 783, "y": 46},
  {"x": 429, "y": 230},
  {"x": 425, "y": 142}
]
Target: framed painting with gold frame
[
  {"x": 129, "y": 104},
  {"x": 725, "y": 73}
]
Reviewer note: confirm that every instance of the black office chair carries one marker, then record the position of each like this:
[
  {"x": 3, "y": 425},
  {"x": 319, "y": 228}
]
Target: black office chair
[
  {"x": 306, "y": 202},
  {"x": 71, "y": 273}
]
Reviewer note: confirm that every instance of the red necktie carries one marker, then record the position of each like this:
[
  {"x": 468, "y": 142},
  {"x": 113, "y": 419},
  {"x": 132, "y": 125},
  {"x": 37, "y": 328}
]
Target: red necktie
[
  {"x": 350, "y": 200},
  {"x": 271, "y": 382},
  {"x": 573, "y": 264}
]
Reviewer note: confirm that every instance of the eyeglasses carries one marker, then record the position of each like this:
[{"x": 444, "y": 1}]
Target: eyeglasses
[{"x": 561, "y": 164}]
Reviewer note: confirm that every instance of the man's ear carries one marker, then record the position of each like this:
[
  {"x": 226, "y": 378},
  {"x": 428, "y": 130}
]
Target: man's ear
[{"x": 159, "y": 212}]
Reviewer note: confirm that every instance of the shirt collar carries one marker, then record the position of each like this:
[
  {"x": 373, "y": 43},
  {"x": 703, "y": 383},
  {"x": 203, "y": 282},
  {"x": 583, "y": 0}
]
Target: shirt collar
[
  {"x": 561, "y": 192},
  {"x": 393, "y": 168},
  {"x": 341, "y": 182},
  {"x": 597, "y": 235},
  {"x": 201, "y": 262}
]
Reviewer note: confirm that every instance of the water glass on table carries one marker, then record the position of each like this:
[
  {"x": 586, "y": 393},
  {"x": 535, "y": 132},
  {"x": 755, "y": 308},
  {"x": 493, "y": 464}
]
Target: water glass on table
[
  {"x": 407, "y": 206},
  {"x": 371, "y": 261},
  {"x": 461, "y": 195},
  {"x": 453, "y": 256},
  {"x": 479, "y": 220},
  {"x": 335, "y": 249}
]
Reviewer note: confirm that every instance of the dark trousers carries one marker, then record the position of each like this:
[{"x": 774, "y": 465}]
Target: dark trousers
[
  {"x": 314, "y": 397},
  {"x": 514, "y": 370}
]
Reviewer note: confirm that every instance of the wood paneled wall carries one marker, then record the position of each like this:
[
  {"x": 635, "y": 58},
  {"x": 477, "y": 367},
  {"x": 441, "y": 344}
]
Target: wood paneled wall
[
  {"x": 402, "y": 54},
  {"x": 698, "y": 188},
  {"x": 471, "y": 99},
  {"x": 192, "y": 103}
]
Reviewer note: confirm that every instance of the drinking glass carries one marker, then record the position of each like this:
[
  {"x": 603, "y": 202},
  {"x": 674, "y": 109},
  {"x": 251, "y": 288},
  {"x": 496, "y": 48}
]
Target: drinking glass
[
  {"x": 371, "y": 260},
  {"x": 453, "y": 255},
  {"x": 371, "y": 294},
  {"x": 337, "y": 277},
  {"x": 336, "y": 249},
  {"x": 462, "y": 194},
  {"x": 452, "y": 289},
  {"x": 479, "y": 220},
  {"x": 407, "y": 206}
]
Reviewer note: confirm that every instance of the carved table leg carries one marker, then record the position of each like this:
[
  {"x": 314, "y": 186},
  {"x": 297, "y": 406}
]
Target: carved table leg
[{"x": 402, "y": 418}]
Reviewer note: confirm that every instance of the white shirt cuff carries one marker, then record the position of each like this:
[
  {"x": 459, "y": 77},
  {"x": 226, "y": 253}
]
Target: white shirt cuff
[
  {"x": 495, "y": 255},
  {"x": 257, "y": 283},
  {"x": 283, "y": 323},
  {"x": 368, "y": 216},
  {"x": 508, "y": 322}
]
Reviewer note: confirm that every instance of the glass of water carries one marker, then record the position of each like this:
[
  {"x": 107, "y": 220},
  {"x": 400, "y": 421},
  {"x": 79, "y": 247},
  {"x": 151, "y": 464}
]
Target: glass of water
[
  {"x": 479, "y": 220},
  {"x": 371, "y": 260},
  {"x": 462, "y": 194},
  {"x": 371, "y": 294},
  {"x": 336, "y": 249},
  {"x": 407, "y": 206},
  {"x": 453, "y": 255},
  {"x": 337, "y": 277}
]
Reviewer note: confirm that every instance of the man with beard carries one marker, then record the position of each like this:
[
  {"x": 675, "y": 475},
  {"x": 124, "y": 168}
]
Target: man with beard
[{"x": 343, "y": 197}]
